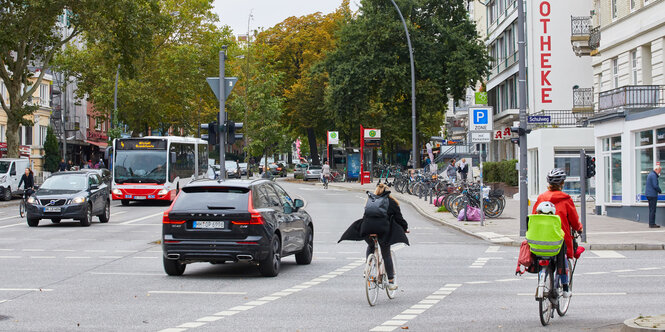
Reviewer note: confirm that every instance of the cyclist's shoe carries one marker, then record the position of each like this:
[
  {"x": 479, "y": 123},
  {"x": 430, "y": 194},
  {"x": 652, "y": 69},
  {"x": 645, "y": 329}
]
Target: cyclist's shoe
[
  {"x": 392, "y": 285},
  {"x": 567, "y": 294}
]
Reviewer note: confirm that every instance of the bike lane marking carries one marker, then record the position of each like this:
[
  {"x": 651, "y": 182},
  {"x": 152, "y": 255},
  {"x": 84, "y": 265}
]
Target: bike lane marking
[
  {"x": 417, "y": 309},
  {"x": 266, "y": 299}
]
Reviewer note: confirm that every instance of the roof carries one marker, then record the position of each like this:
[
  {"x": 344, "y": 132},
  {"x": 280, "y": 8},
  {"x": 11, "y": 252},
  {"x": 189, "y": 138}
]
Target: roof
[
  {"x": 71, "y": 173},
  {"x": 226, "y": 183}
]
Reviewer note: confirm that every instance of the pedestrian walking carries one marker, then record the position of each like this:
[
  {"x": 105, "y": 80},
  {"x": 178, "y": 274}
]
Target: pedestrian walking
[
  {"x": 451, "y": 171},
  {"x": 652, "y": 190},
  {"x": 463, "y": 169}
]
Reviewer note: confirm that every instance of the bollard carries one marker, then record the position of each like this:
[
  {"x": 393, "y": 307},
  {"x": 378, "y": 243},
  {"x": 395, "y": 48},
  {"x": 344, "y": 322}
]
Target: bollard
[{"x": 430, "y": 196}]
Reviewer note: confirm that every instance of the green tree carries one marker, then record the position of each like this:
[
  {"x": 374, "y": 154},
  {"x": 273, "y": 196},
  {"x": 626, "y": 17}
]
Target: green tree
[
  {"x": 30, "y": 39},
  {"x": 51, "y": 151}
]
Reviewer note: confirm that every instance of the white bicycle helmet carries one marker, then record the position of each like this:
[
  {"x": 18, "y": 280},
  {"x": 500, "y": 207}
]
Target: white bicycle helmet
[
  {"x": 546, "y": 208},
  {"x": 556, "y": 176}
]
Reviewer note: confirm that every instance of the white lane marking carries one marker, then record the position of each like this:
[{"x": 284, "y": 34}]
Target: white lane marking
[
  {"x": 479, "y": 263},
  {"x": 12, "y": 225},
  {"x": 78, "y": 257},
  {"x": 32, "y": 250},
  {"x": 626, "y": 270},
  {"x": 278, "y": 295},
  {"x": 607, "y": 254},
  {"x": 142, "y": 257},
  {"x": 63, "y": 250},
  {"x": 492, "y": 249},
  {"x": 3, "y": 301},
  {"x": 477, "y": 282},
  {"x": 192, "y": 324},
  {"x": 643, "y": 276},
  {"x": 94, "y": 250},
  {"x": 648, "y": 268},
  {"x": 173, "y": 330},
  {"x": 596, "y": 273},
  {"x": 25, "y": 290},
  {"x": 142, "y": 218},
  {"x": 127, "y": 274},
  {"x": 7, "y": 218},
  {"x": 110, "y": 257},
  {"x": 197, "y": 293},
  {"x": 43, "y": 257},
  {"x": 10, "y": 256},
  {"x": 416, "y": 309},
  {"x": 6, "y": 249},
  {"x": 126, "y": 251},
  {"x": 581, "y": 294},
  {"x": 117, "y": 213},
  {"x": 208, "y": 319}
]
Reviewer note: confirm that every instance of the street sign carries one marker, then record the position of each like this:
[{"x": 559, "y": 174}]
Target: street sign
[
  {"x": 230, "y": 82},
  {"x": 333, "y": 137},
  {"x": 481, "y": 137},
  {"x": 480, "y": 119},
  {"x": 539, "y": 119},
  {"x": 371, "y": 133},
  {"x": 481, "y": 98}
]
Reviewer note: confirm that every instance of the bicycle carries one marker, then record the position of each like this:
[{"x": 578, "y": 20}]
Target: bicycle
[
  {"x": 549, "y": 292},
  {"x": 23, "y": 202},
  {"x": 375, "y": 274},
  {"x": 325, "y": 180}
]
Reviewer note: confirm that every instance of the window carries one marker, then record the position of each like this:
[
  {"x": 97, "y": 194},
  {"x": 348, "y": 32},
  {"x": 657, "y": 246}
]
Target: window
[
  {"x": 25, "y": 135},
  {"x": 203, "y": 159},
  {"x": 3, "y": 133},
  {"x": 615, "y": 72},
  {"x": 98, "y": 123},
  {"x": 633, "y": 65},
  {"x": 632, "y": 5},
  {"x": 534, "y": 185},
  {"x": 44, "y": 95},
  {"x": 43, "y": 130},
  {"x": 570, "y": 162},
  {"x": 600, "y": 81},
  {"x": 183, "y": 165},
  {"x": 612, "y": 164},
  {"x": 649, "y": 149},
  {"x": 614, "y": 9}
]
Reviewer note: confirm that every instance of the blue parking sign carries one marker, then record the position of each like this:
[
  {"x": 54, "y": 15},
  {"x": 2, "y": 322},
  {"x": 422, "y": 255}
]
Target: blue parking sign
[
  {"x": 480, "y": 119},
  {"x": 480, "y": 116}
]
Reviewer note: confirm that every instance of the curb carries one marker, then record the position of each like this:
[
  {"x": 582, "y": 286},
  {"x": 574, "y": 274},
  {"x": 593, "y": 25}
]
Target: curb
[
  {"x": 513, "y": 243},
  {"x": 629, "y": 325}
]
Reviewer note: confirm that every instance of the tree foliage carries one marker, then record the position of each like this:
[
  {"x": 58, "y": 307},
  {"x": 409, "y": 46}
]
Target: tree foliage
[{"x": 51, "y": 151}]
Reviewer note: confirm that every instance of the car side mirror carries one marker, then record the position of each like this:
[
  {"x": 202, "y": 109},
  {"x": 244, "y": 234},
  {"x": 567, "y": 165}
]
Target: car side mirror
[
  {"x": 287, "y": 208},
  {"x": 298, "y": 203},
  {"x": 94, "y": 186}
]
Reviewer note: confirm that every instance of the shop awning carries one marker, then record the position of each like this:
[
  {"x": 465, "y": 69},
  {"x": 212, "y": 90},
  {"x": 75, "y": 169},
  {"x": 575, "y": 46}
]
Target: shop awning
[{"x": 99, "y": 144}]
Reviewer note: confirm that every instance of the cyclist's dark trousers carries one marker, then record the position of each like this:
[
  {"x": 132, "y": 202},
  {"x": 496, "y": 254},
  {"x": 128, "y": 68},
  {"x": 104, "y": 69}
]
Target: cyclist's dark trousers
[
  {"x": 561, "y": 262},
  {"x": 385, "y": 253}
]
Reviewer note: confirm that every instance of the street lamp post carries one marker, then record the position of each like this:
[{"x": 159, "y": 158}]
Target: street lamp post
[{"x": 416, "y": 160}]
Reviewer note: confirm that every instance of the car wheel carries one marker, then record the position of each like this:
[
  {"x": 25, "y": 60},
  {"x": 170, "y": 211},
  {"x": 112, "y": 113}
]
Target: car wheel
[
  {"x": 55, "y": 220},
  {"x": 87, "y": 220},
  {"x": 305, "y": 256},
  {"x": 269, "y": 267},
  {"x": 173, "y": 267},
  {"x": 104, "y": 217},
  {"x": 124, "y": 202},
  {"x": 33, "y": 222},
  {"x": 7, "y": 194}
]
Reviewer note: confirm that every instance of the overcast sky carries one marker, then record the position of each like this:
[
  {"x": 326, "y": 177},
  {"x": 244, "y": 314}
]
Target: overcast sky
[{"x": 267, "y": 13}]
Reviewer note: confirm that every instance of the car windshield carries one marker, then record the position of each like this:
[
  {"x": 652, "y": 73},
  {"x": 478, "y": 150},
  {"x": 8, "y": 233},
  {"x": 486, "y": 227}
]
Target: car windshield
[
  {"x": 230, "y": 165},
  {"x": 140, "y": 166},
  {"x": 4, "y": 166},
  {"x": 66, "y": 182},
  {"x": 243, "y": 165}
]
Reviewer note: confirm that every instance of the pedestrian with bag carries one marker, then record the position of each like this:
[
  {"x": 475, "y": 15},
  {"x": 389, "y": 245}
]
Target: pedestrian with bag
[
  {"x": 382, "y": 217},
  {"x": 651, "y": 192}
]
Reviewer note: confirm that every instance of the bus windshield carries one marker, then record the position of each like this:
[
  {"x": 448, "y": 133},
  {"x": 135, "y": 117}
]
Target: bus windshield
[{"x": 140, "y": 166}]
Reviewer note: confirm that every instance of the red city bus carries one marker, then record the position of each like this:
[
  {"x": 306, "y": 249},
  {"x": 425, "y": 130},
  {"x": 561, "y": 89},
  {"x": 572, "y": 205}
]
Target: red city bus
[{"x": 155, "y": 167}]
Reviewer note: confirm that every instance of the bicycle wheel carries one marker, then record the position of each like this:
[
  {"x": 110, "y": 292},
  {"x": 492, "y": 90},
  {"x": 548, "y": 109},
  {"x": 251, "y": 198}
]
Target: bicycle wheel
[
  {"x": 391, "y": 293},
  {"x": 564, "y": 302},
  {"x": 544, "y": 304},
  {"x": 21, "y": 208},
  {"x": 371, "y": 279}
]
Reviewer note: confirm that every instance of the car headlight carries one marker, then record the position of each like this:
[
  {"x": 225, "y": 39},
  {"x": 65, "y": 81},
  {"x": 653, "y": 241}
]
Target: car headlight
[
  {"x": 163, "y": 192},
  {"x": 32, "y": 200},
  {"x": 78, "y": 200},
  {"x": 117, "y": 192}
]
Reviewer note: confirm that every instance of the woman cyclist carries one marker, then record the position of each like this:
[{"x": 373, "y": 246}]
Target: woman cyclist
[
  {"x": 565, "y": 209},
  {"x": 28, "y": 180},
  {"x": 393, "y": 232}
]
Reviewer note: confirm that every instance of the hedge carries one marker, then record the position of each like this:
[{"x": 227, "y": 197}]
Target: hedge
[{"x": 502, "y": 171}]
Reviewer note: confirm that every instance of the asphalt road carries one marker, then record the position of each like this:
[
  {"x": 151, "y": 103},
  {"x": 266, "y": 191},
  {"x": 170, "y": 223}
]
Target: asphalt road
[{"x": 109, "y": 277}]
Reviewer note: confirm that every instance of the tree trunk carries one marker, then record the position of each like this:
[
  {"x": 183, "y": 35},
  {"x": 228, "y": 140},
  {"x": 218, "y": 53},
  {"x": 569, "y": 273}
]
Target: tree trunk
[
  {"x": 313, "y": 150},
  {"x": 13, "y": 129}
]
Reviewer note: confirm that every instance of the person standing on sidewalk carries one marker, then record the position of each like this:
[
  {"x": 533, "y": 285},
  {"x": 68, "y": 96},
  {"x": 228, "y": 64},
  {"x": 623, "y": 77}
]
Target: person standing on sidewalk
[
  {"x": 652, "y": 190},
  {"x": 463, "y": 169},
  {"x": 451, "y": 171}
]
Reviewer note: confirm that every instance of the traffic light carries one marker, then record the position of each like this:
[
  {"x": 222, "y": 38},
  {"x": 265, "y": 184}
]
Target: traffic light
[
  {"x": 590, "y": 166},
  {"x": 211, "y": 137},
  {"x": 519, "y": 131},
  {"x": 231, "y": 132}
]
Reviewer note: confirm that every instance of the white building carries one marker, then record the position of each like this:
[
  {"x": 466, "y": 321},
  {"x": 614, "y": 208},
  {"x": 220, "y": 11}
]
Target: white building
[{"x": 629, "y": 84}]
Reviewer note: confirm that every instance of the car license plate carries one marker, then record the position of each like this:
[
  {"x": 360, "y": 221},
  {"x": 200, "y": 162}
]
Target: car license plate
[
  {"x": 52, "y": 209},
  {"x": 208, "y": 224},
  {"x": 139, "y": 197}
]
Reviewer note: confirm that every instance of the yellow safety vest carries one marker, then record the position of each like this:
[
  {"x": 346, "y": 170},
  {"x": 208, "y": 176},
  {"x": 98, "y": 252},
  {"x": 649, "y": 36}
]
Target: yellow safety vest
[{"x": 544, "y": 234}]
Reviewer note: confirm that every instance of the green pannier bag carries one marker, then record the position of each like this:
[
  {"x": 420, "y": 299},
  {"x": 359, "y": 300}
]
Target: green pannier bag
[{"x": 544, "y": 234}]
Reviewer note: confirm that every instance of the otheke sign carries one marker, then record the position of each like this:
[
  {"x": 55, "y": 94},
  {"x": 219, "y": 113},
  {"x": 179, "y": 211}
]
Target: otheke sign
[{"x": 545, "y": 53}]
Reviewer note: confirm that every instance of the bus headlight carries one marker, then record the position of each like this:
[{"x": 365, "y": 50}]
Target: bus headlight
[
  {"x": 78, "y": 200},
  {"x": 117, "y": 192},
  {"x": 163, "y": 192}
]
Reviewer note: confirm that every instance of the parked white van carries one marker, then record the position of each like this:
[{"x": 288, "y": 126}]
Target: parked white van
[{"x": 11, "y": 170}]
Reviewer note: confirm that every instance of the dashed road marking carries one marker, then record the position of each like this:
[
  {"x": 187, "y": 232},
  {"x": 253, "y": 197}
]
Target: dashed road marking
[
  {"x": 25, "y": 290},
  {"x": 581, "y": 294},
  {"x": 197, "y": 293},
  {"x": 417, "y": 309},
  {"x": 492, "y": 249},
  {"x": 117, "y": 213},
  {"x": 127, "y": 274},
  {"x": 481, "y": 261},
  {"x": 142, "y": 218},
  {"x": 12, "y": 225},
  {"x": 606, "y": 254}
]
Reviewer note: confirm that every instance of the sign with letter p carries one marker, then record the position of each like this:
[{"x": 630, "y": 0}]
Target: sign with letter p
[{"x": 480, "y": 118}]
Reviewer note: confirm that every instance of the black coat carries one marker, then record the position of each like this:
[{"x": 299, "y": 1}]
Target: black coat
[{"x": 398, "y": 227}]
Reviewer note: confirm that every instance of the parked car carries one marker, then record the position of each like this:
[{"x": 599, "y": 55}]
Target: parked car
[
  {"x": 313, "y": 172},
  {"x": 70, "y": 195},
  {"x": 11, "y": 170},
  {"x": 299, "y": 170},
  {"x": 278, "y": 169},
  {"x": 235, "y": 221},
  {"x": 103, "y": 173},
  {"x": 244, "y": 168}
]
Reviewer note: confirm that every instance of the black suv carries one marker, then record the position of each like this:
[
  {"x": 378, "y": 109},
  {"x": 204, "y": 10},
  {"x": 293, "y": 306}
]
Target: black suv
[
  {"x": 70, "y": 195},
  {"x": 235, "y": 221}
]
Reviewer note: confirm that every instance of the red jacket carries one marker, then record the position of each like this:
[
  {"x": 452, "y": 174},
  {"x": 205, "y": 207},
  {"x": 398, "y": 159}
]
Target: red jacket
[{"x": 565, "y": 209}]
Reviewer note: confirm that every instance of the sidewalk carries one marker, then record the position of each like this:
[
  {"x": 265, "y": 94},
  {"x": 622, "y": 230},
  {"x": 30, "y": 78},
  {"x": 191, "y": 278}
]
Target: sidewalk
[{"x": 603, "y": 233}]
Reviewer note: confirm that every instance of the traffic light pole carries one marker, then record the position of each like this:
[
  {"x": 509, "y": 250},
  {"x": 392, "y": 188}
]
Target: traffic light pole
[
  {"x": 523, "y": 188},
  {"x": 222, "y": 114},
  {"x": 583, "y": 179}
]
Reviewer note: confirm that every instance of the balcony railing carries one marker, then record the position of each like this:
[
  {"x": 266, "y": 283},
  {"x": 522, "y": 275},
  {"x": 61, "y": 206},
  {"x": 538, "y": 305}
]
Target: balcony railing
[
  {"x": 583, "y": 100},
  {"x": 580, "y": 26},
  {"x": 502, "y": 64},
  {"x": 562, "y": 119},
  {"x": 632, "y": 97},
  {"x": 594, "y": 39}
]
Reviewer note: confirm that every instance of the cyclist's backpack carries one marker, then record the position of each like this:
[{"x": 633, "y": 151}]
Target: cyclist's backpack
[
  {"x": 377, "y": 206},
  {"x": 544, "y": 234}
]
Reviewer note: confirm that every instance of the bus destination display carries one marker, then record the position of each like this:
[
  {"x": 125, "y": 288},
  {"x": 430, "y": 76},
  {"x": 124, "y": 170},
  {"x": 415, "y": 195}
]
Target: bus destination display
[{"x": 141, "y": 144}]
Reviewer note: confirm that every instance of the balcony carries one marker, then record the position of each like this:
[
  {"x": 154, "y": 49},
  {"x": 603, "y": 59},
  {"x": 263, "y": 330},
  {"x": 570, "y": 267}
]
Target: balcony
[
  {"x": 580, "y": 35},
  {"x": 583, "y": 100},
  {"x": 632, "y": 97},
  {"x": 561, "y": 119},
  {"x": 502, "y": 64}
]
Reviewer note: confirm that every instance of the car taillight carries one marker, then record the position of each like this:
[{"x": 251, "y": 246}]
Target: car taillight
[
  {"x": 167, "y": 220},
  {"x": 279, "y": 168},
  {"x": 255, "y": 216}
]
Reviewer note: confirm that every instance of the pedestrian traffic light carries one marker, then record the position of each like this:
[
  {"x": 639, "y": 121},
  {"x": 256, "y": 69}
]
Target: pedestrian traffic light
[
  {"x": 211, "y": 137},
  {"x": 232, "y": 134},
  {"x": 590, "y": 166}
]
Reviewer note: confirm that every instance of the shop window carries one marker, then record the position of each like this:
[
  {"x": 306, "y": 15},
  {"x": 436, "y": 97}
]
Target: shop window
[
  {"x": 647, "y": 152},
  {"x": 569, "y": 161},
  {"x": 612, "y": 165}
]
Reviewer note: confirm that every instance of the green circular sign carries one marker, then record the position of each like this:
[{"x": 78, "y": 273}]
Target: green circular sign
[
  {"x": 333, "y": 135},
  {"x": 372, "y": 133}
]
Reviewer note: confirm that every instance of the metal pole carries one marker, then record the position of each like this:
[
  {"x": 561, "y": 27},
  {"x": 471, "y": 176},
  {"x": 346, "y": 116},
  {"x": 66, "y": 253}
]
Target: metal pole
[
  {"x": 416, "y": 161},
  {"x": 247, "y": 76},
  {"x": 114, "y": 122},
  {"x": 523, "y": 188},
  {"x": 63, "y": 114},
  {"x": 482, "y": 192},
  {"x": 583, "y": 188},
  {"x": 222, "y": 114}
]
